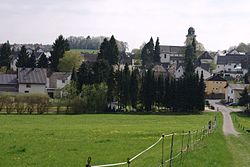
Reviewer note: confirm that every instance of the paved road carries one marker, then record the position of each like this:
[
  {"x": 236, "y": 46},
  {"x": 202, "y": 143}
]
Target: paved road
[{"x": 228, "y": 127}]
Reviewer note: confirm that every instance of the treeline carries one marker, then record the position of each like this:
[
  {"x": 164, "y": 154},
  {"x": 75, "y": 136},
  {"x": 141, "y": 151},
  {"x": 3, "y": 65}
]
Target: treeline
[
  {"x": 124, "y": 89},
  {"x": 92, "y": 43}
]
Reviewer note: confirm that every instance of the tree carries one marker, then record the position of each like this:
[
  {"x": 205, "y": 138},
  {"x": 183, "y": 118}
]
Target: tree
[
  {"x": 23, "y": 57},
  {"x": 147, "y": 53},
  {"x": 111, "y": 83},
  {"x": 70, "y": 60},
  {"x": 42, "y": 61},
  {"x": 148, "y": 90},
  {"x": 157, "y": 52},
  {"x": 83, "y": 75},
  {"x": 244, "y": 98},
  {"x": 134, "y": 88},
  {"x": 125, "y": 98},
  {"x": 59, "y": 47},
  {"x": 201, "y": 91},
  {"x": 189, "y": 61},
  {"x": 114, "y": 52},
  {"x": 104, "y": 50},
  {"x": 31, "y": 61},
  {"x": 5, "y": 53},
  {"x": 74, "y": 75},
  {"x": 101, "y": 70}
]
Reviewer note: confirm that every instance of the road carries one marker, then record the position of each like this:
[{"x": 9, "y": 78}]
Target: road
[{"x": 228, "y": 127}]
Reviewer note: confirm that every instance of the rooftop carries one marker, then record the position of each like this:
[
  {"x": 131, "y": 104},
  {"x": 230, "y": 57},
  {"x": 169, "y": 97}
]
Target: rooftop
[{"x": 32, "y": 75}]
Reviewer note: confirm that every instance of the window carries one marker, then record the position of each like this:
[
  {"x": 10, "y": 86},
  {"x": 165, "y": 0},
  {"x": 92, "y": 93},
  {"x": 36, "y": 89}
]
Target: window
[
  {"x": 26, "y": 91},
  {"x": 232, "y": 91},
  {"x": 63, "y": 81},
  {"x": 28, "y": 86},
  {"x": 165, "y": 56}
]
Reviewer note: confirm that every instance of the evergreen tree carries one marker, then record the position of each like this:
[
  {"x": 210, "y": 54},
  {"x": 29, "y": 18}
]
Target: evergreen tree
[
  {"x": 201, "y": 91},
  {"x": 114, "y": 52},
  {"x": 147, "y": 53},
  {"x": 244, "y": 98},
  {"x": 167, "y": 96},
  {"x": 101, "y": 70},
  {"x": 83, "y": 76},
  {"x": 23, "y": 57},
  {"x": 189, "y": 61},
  {"x": 125, "y": 86},
  {"x": 157, "y": 52},
  {"x": 5, "y": 53},
  {"x": 42, "y": 62},
  {"x": 31, "y": 61},
  {"x": 59, "y": 47},
  {"x": 104, "y": 50},
  {"x": 194, "y": 44},
  {"x": 74, "y": 76},
  {"x": 148, "y": 90},
  {"x": 134, "y": 88},
  {"x": 159, "y": 91},
  {"x": 111, "y": 86}
]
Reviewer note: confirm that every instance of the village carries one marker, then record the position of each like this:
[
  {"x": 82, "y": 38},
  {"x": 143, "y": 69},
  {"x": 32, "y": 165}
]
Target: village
[{"x": 226, "y": 73}]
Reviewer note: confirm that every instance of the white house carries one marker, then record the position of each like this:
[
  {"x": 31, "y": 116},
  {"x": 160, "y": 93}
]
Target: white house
[
  {"x": 32, "y": 80},
  {"x": 233, "y": 92},
  {"x": 56, "y": 81},
  {"x": 206, "y": 73},
  {"x": 179, "y": 72}
]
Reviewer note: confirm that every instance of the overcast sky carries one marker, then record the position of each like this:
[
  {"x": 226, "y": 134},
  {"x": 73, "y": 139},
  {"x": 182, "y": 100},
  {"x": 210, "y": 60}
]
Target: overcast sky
[{"x": 218, "y": 23}]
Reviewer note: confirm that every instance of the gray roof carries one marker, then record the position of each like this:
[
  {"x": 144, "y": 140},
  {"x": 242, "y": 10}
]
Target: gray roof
[
  {"x": 205, "y": 55},
  {"x": 232, "y": 58},
  {"x": 172, "y": 49},
  {"x": 216, "y": 78},
  {"x": 8, "y": 79},
  {"x": 57, "y": 76},
  {"x": 32, "y": 75},
  {"x": 205, "y": 66}
]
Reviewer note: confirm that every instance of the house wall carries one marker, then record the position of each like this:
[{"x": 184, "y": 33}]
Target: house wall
[
  {"x": 34, "y": 88},
  {"x": 206, "y": 74},
  {"x": 179, "y": 72},
  {"x": 229, "y": 95},
  {"x": 216, "y": 87},
  {"x": 60, "y": 84},
  {"x": 165, "y": 57}
]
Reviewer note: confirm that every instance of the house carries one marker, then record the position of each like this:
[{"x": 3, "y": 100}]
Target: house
[
  {"x": 172, "y": 54},
  {"x": 31, "y": 80},
  {"x": 233, "y": 92},
  {"x": 215, "y": 86},
  {"x": 159, "y": 70},
  {"x": 205, "y": 69},
  {"x": 8, "y": 83},
  {"x": 205, "y": 58},
  {"x": 56, "y": 81},
  {"x": 230, "y": 65},
  {"x": 179, "y": 72}
]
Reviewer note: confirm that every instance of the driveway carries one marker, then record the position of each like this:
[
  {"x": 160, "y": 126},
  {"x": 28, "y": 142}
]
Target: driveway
[{"x": 228, "y": 127}]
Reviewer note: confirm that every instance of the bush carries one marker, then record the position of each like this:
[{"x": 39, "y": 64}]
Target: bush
[
  {"x": 78, "y": 105},
  {"x": 24, "y": 103}
]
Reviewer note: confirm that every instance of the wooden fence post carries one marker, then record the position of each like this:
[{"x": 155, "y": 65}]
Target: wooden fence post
[{"x": 171, "y": 150}]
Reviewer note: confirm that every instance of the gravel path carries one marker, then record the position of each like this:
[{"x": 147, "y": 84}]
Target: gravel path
[{"x": 228, "y": 127}]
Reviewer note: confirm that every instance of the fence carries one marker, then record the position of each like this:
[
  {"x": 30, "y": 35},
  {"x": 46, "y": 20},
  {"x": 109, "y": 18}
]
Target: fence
[
  {"x": 188, "y": 141},
  {"x": 240, "y": 125}
]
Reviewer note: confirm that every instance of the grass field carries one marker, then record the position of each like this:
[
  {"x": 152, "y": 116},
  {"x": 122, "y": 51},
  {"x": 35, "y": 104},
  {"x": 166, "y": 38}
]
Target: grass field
[
  {"x": 67, "y": 140},
  {"x": 84, "y": 51},
  {"x": 240, "y": 146}
]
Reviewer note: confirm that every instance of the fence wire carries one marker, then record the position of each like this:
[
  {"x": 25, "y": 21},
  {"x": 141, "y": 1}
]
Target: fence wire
[{"x": 188, "y": 141}]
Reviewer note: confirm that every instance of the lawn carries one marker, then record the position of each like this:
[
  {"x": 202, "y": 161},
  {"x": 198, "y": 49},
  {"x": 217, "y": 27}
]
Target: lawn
[{"x": 67, "y": 140}]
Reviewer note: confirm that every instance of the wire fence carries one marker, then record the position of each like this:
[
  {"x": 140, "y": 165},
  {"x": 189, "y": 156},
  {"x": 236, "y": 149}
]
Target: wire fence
[
  {"x": 240, "y": 124},
  {"x": 187, "y": 141}
]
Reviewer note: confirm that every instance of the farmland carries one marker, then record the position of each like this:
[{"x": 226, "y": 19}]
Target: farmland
[{"x": 67, "y": 140}]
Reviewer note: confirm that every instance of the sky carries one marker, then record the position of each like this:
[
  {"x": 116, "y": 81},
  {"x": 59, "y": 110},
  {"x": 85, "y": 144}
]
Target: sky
[{"x": 218, "y": 24}]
